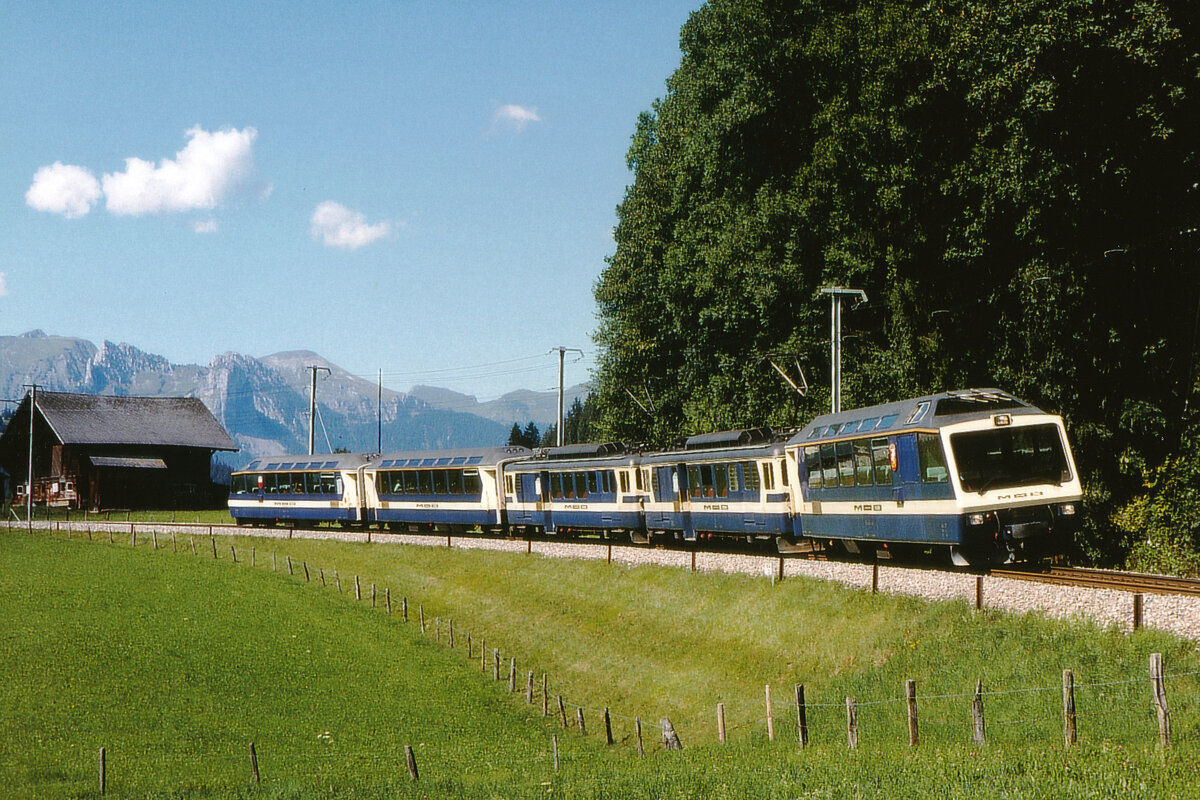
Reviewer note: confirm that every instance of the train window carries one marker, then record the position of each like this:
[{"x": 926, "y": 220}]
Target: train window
[
  {"x": 624, "y": 482},
  {"x": 932, "y": 458},
  {"x": 783, "y": 473},
  {"x": 439, "y": 482},
  {"x": 886, "y": 422},
  {"x": 411, "y": 483},
  {"x": 868, "y": 424},
  {"x": 829, "y": 476},
  {"x": 918, "y": 413},
  {"x": 862, "y": 462},
  {"x": 720, "y": 480},
  {"x": 508, "y": 484},
  {"x": 610, "y": 481},
  {"x": 693, "y": 473},
  {"x": 593, "y": 483},
  {"x": 732, "y": 471},
  {"x": 329, "y": 483},
  {"x": 581, "y": 483},
  {"x": 812, "y": 465},
  {"x": 424, "y": 482},
  {"x": 750, "y": 476},
  {"x": 768, "y": 476},
  {"x": 556, "y": 490},
  {"x": 845, "y": 463},
  {"x": 474, "y": 487},
  {"x": 639, "y": 482},
  {"x": 882, "y": 459},
  {"x": 455, "y": 481},
  {"x": 654, "y": 484}
]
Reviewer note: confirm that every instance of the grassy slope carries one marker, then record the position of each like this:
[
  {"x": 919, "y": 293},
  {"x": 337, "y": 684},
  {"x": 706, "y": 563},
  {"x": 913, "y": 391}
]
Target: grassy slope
[{"x": 645, "y": 641}]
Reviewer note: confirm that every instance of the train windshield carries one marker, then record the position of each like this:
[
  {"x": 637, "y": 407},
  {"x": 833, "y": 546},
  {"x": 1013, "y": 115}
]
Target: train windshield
[{"x": 1013, "y": 456}]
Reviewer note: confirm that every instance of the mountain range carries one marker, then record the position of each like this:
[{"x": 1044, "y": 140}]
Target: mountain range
[{"x": 263, "y": 402}]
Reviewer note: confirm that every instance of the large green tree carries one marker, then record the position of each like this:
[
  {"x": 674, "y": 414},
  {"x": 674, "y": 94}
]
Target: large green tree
[{"x": 1010, "y": 181}]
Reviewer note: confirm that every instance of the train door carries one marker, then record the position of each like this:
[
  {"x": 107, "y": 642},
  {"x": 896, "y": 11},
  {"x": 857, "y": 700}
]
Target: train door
[
  {"x": 353, "y": 496},
  {"x": 683, "y": 502}
]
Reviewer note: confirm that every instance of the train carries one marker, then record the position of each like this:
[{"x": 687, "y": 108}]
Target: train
[{"x": 976, "y": 475}]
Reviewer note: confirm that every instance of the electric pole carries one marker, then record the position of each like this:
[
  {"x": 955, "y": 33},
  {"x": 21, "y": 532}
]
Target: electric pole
[
  {"x": 32, "y": 387},
  {"x": 562, "y": 351},
  {"x": 836, "y": 294},
  {"x": 312, "y": 405}
]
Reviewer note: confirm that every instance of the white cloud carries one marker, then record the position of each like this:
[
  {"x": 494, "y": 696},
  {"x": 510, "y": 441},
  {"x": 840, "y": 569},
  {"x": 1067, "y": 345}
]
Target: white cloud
[
  {"x": 201, "y": 176},
  {"x": 515, "y": 117},
  {"x": 205, "y": 226},
  {"x": 3, "y": 284},
  {"x": 63, "y": 189},
  {"x": 338, "y": 226}
]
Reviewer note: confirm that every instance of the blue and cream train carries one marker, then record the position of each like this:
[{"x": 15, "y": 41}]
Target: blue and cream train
[{"x": 977, "y": 473}]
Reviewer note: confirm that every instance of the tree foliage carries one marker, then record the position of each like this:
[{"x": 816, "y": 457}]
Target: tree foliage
[{"x": 1008, "y": 180}]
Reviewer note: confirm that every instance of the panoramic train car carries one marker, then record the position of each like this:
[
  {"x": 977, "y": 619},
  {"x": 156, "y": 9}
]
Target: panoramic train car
[
  {"x": 978, "y": 471},
  {"x": 588, "y": 488},
  {"x": 298, "y": 489},
  {"x": 442, "y": 490},
  {"x": 729, "y": 484}
]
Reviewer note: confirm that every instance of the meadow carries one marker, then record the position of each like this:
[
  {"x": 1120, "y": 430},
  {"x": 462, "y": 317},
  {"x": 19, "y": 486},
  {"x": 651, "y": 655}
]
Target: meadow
[{"x": 174, "y": 663}]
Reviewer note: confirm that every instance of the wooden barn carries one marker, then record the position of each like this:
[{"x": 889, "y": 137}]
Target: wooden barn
[{"x": 105, "y": 452}]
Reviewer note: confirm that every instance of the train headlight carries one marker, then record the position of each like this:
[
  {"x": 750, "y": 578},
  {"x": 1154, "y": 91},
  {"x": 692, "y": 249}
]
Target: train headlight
[
  {"x": 976, "y": 519},
  {"x": 1067, "y": 509}
]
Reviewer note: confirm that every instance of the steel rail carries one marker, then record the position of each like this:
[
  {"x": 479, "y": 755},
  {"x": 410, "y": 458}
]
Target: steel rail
[{"x": 1135, "y": 582}]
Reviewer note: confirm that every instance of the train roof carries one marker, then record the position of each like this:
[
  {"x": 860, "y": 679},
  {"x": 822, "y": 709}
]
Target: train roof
[
  {"x": 338, "y": 461},
  {"x": 722, "y": 446},
  {"x": 930, "y": 411},
  {"x": 463, "y": 457}
]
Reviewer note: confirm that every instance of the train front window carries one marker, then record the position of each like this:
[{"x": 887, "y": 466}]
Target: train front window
[
  {"x": 998, "y": 458},
  {"x": 931, "y": 458}
]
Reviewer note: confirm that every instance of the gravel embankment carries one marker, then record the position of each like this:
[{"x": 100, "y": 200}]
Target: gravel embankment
[{"x": 1104, "y": 607}]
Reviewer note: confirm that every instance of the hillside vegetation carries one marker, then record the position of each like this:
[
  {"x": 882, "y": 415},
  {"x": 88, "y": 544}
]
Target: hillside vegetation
[
  {"x": 175, "y": 662},
  {"x": 1013, "y": 183}
]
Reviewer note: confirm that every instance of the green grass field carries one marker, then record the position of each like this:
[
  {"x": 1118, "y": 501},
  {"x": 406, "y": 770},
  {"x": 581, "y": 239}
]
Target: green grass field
[{"x": 174, "y": 663}]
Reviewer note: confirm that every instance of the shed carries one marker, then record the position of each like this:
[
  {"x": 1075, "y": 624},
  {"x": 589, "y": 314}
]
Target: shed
[{"x": 103, "y": 451}]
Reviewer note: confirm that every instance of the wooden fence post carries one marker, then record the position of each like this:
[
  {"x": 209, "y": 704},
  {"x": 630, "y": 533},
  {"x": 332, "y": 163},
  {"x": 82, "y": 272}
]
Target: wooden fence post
[
  {"x": 874, "y": 578},
  {"x": 977, "y": 715},
  {"x": 554, "y": 743},
  {"x": 437, "y": 629},
  {"x": 637, "y": 727},
  {"x": 512, "y": 675},
  {"x": 289, "y": 566},
  {"x": 770, "y": 716},
  {"x": 852, "y": 723},
  {"x": 254, "y": 765},
  {"x": 801, "y": 716},
  {"x": 253, "y": 554},
  {"x": 979, "y": 593},
  {"x": 372, "y": 595},
  {"x": 192, "y": 542},
  {"x": 357, "y": 589},
  {"x": 421, "y": 611},
  {"x": 103, "y": 773},
  {"x": 545, "y": 697},
  {"x": 404, "y": 608},
  {"x": 580, "y": 720},
  {"x": 450, "y": 634},
  {"x": 305, "y": 565},
  {"x": 607, "y": 726},
  {"x": 174, "y": 543},
  {"x": 387, "y": 599},
  {"x": 529, "y": 690},
  {"x": 1069, "y": 732},
  {"x": 233, "y": 553},
  {"x": 721, "y": 723},
  {"x": 562, "y": 712},
  {"x": 1137, "y": 611},
  {"x": 495, "y": 664},
  {"x": 213, "y": 540},
  {"x": 910, "y": 692},
  {"x": 1159, "y": 688},
  {"x": 411, "y": 760}
]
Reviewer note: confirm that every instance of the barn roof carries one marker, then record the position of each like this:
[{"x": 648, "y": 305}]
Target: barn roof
[{"x": 103, "y": 419}]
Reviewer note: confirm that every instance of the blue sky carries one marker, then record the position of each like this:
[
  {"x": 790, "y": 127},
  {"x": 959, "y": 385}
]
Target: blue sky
[{"x": 422, "y": 188}]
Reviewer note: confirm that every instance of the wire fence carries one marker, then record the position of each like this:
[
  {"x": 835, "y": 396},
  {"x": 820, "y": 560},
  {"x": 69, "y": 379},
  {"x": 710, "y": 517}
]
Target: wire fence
[{"x": 1144, "y": 710}]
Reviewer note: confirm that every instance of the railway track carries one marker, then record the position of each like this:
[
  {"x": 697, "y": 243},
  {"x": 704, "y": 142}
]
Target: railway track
[{"x": 1104, "y": 579}]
